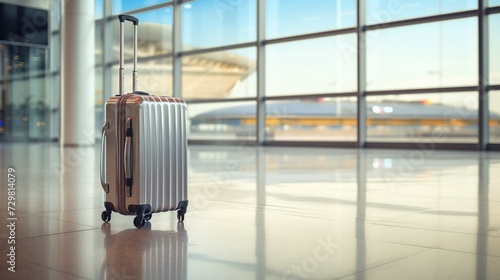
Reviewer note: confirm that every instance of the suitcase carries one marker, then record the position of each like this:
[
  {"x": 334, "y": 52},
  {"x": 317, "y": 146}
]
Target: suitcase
[{"x": 143, "y": 150}]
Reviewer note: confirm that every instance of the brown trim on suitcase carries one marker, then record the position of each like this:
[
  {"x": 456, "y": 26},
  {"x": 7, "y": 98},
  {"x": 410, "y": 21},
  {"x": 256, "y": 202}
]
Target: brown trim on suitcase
[{"x": 120, "y": 147}]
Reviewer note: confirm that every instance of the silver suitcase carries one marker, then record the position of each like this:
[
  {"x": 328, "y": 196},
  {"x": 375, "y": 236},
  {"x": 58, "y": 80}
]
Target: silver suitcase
[{"x": 143, "y": 151}]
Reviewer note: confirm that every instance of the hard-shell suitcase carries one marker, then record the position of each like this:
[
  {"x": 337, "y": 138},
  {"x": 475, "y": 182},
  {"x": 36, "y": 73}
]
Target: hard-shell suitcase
[{"x": 143, "y": 150}]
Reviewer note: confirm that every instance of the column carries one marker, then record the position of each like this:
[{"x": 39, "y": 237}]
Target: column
[{"x": 77, "y": 73}]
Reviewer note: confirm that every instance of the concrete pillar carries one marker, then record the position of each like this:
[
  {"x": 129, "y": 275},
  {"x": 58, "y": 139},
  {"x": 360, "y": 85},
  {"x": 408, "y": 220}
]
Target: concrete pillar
[{"x": 77, "y": 73}]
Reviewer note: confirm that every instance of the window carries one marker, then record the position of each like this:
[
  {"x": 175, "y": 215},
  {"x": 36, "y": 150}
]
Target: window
[
  {"x": 98, "y": 44},
  {"x": 494, "y": 116},
  {"x": 208, "y": 23},
  {"x": 154, "y": 34},
  {"x": 435, "y": 118},
  {"x": 310, "y": 67},
  {"x": 494, "y": 3},
  {"x": 294, "y": 17},
  {"x": 224, "y": 74},
  {"x": 120, "y": 6},
  {"x": 440, "y": 54},
  {"x": 154, "y": 77},
  {"x": 312, "y": 119},
  {"x": 98, "y": 9},
  {"x": 494, "y": 52},
  {"x": 382, "y": 11},
  {"x": 222, "y": 121},
  {"x": 321, "y": 65}
]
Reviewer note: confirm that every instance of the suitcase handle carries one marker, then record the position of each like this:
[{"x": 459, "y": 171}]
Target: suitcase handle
[
  {"x": 105, "y": 186},
  {"x": 127, "y": 159},
  {"x": 123, "y": 18},
  {"x": 135, "y": 21}
]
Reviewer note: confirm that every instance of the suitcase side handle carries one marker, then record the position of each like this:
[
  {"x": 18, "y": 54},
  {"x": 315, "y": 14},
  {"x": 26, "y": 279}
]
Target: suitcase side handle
[
  {"x": 121, "y": 75},
  {"x": 127, "y": 157},
  {"x": 105, "y": 186}
]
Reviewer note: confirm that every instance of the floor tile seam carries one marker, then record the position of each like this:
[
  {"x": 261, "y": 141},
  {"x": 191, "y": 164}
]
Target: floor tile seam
[
  {"x": 395, "y": 243},
  {"x": 57, "y": 233},
  {"x": 57, "y": 270},
  {"x": 20, "y": 216},
  {"x": 465, "y": 252},
  {"x": 386, "y": 263},
  {"x": 436, "y": 230}
]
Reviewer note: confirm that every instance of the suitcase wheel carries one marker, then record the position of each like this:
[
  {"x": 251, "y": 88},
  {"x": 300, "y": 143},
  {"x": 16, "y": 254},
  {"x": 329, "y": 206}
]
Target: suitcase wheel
[
  {"x": 106, "y": 216},
  {"x": 180, "y": 217},
  {"x": 139, "y": 221},
  {"x": 148, "y": 217},
  {"x": 181, "y": 210}
]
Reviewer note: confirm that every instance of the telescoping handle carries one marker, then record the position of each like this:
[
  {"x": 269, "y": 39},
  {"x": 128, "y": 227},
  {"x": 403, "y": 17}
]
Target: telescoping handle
[{"x": 135, "y": 21}]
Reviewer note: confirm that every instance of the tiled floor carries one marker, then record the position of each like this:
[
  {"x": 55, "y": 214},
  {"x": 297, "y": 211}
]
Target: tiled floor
[{"x": 261, "y": 213}]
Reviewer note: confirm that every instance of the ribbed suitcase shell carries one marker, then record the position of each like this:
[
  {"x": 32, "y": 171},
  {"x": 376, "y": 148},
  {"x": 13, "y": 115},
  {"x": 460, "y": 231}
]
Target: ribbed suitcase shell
[{"x": 158, "y": 153}]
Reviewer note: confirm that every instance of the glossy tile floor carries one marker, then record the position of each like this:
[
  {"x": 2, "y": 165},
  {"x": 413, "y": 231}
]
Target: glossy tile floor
[{"x": 261, "y": 213}]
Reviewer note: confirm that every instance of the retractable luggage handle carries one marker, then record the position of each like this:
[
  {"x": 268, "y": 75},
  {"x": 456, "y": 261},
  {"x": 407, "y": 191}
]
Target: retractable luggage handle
[{"x": 135, "y": 21}]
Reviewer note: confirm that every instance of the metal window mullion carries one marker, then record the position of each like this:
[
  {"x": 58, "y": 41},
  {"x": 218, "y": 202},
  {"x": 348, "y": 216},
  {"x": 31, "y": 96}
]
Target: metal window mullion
[
  {"x": 483, "y": 121},
  {"x": 421, "y": 20},
  {"x": 261, "y": 67},
  {"x": 176, "y": 50},
  {"x": 322, "y": 34},
  {"x": 218, "y": 49},
  {"x": 361, "y": 78}
]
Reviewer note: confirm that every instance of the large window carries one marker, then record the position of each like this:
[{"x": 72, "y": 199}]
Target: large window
[
  {"x": 435, "y": 118},
  {"x": 494, "y": 3},
  {"x": 495, "y": 49},
  {"x": 155, "y": 77},
  {"x": 208, "y": 23},
  {"x": 222, "y": 74},
  {"x": 155, "y": 34},
  {"x": 301, "y": 71},
  {"x": 24, "y": 59},
  {"x": 382, "y": 11},
  {"x": 321, "y": 65},
  {"x": 222, "y": 121},
  {"x": 120, "y": 6},
  {"x": 292, "y": 17},
  {"x": 312, "y": 119},
  {"x": 495, "y": 117},
  {"x": 438, "y": 54}
]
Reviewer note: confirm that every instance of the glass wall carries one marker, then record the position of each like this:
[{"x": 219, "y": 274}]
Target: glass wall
[
  {"x": 494, "y": 3},
  {"x": 494, "y": 49},
  {"x": 222, "y": 74},
  {"x": 441, "y": 54},
  {"x": 208, "y": 23},
  {"x": 312, "y": 119},
  {"x": 494, "y": 103},
  {"x": 383, "y": 11},
  {"x": 222, "y": 121},
  {"x": 296, "y": 78},
  {"x": 291, "y": 17},
  {"x": 435, "y": 117},
  {"x": 329, "y": 66},
  {"x": 24, "y": 99},
  {"x": 121, "y": 6}
]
